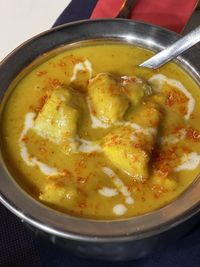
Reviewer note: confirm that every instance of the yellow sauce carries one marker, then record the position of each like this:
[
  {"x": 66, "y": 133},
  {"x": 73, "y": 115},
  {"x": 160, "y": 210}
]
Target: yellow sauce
[{"x": 80, "y": 173}]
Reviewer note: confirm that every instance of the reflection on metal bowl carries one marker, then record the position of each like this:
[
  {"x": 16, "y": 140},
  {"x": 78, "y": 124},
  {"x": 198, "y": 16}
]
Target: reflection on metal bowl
[{"x": 108, "y": 240}]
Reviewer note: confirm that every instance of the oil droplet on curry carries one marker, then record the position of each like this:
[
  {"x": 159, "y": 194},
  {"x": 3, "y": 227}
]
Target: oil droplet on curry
[{"x": 89, "y": 133}]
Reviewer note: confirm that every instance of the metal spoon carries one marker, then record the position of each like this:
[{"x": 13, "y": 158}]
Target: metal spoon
[{"x": 173, "y": 50}]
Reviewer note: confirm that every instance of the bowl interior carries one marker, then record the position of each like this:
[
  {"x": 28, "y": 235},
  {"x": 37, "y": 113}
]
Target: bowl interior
[{"x": 32, "y": 53}]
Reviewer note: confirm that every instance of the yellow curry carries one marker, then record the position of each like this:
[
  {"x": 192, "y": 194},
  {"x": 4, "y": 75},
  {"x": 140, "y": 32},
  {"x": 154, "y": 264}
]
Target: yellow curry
[{"x": 89, "y": 133}]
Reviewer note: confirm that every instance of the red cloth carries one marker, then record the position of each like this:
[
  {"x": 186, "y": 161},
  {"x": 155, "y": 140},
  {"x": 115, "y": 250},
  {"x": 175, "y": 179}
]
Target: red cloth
[{"x": 170, "y": 14}]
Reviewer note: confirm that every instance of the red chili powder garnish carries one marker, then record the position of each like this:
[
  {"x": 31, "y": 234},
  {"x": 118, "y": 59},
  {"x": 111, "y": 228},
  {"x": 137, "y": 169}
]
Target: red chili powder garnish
[
  {"x": 162, "y": 160},
  {"x": 82, "y": 205},
  {"x": 55, "y": 83},
  {"x": 66, "y": 173},
  {"x": 114, "y": 140},
  {"x": 183, "y": 110},
  {"x": 186, "y": 149},
  {"x": 80, "y": 166},
  {"x": 114, "y": 90},
  {"x": 143, "y": 198},
  {"x": 193, "y": 134},
  {"x": 41, "y": 73},
  {"x": 158, "y": 190},
  {"x": 177, "y": 129},
  {"x": 82, "y": 180},
  {"x": 42, "y": 149},
  {"x": 41, "y": 103},
  {"x": 130, "y": 185},
  {"x": 138, "y": 145},
  {"x": 124, "y": 90},
  {"x": 175, "y": 97},
  {"x": 62, "y": 64},
  {"x": 25, "y": 139},
  {"x": 73, "y": 59}
]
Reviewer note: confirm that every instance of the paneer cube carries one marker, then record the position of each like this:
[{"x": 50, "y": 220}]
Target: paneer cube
[
  {"x": 146, "y": 115},
  {"x": 130, "y": 149},
  {"x": 127, "y": 152},
  {"x": 57, "y": 192},
  {"x": 136, "y": 89},
  {"x": 57, "y": 120},
  {"x": 108, "y": 101}
]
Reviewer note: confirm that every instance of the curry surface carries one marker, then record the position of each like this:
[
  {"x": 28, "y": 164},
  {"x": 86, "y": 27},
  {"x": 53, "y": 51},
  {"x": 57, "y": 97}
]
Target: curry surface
[{"x": 82, "y": 172}]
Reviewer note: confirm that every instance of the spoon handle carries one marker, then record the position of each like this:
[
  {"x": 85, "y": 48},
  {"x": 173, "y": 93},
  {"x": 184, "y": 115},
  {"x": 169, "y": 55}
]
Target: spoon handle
[
  {"x": 126, "y": 9},
  {"x": 173, "y": 50}
]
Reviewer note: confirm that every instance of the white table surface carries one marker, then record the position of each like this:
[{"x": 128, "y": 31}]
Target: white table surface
[{"x": 22, "y": 19}]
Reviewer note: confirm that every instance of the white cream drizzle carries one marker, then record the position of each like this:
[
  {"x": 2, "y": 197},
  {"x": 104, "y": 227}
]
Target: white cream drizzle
[
  {"x": 28, "y": 123},
  {"x": 81, "y": 66},
  {"x": 28, "y": 159},
  {"x": 62, "y": 120},
  {"x": 96, "y": 123},
  {"x": 108, "y": 192},
  {"x": 189, "y": 162},
  {"x": 174, "y": 138},
  {"x": 47, "y": 170},
  {"x": 89, "y": 146},
  {"x": 158, "y": 80},
  {"x": 127, "y": 79},
  {"x": 119, "y": 209},
  {"x": 119, "y": 185},
  {"x": 137, "y": 127}
]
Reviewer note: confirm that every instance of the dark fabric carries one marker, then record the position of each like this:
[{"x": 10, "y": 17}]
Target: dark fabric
[
  {"x": 76, "y": 10},
  {"x": 17, "y": 243},
  {"x": 184, "y": 253},
  {"x": 19, "y": 247}
]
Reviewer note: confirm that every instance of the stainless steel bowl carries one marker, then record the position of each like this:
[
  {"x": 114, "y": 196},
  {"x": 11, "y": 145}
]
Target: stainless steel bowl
[{"x": 108, "y": 240}]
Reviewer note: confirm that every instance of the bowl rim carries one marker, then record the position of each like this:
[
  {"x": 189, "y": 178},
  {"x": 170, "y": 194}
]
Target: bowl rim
[{"x": 44, "y": 218}]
